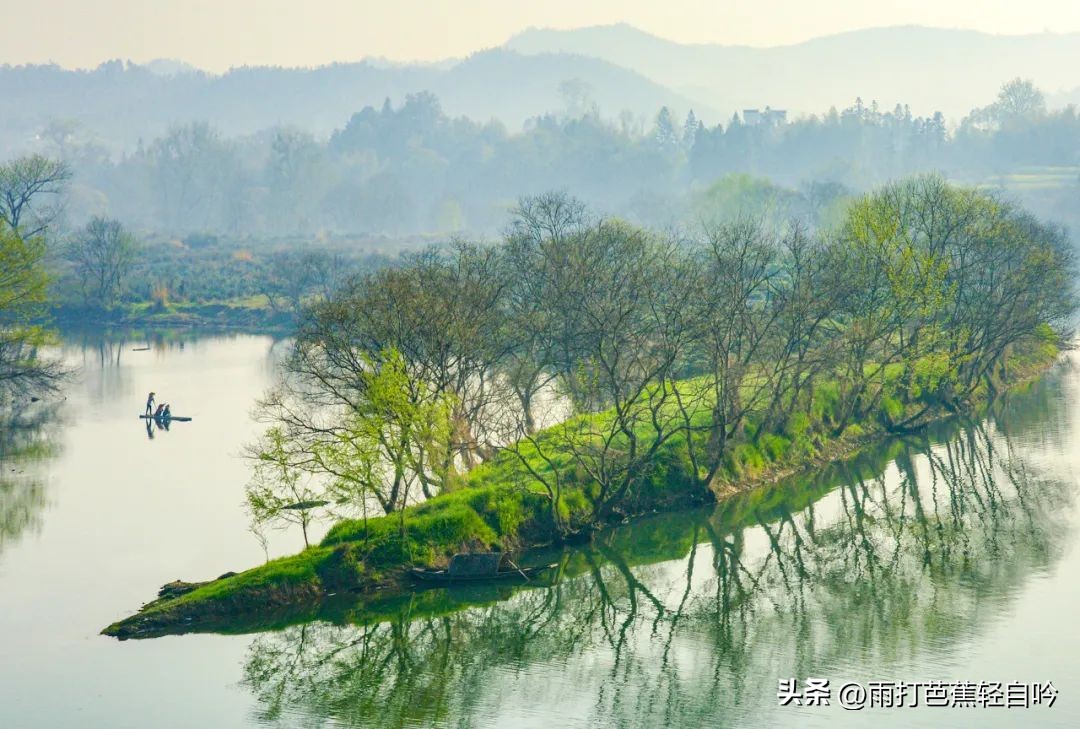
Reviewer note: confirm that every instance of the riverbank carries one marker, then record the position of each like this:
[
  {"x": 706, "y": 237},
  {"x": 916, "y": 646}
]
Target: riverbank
[
  {"x": 247, "y": 314},
  {"x": 493, "y": 510}
]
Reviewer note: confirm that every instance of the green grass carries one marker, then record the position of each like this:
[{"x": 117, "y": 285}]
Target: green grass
[{"x": 297, "y": 569}]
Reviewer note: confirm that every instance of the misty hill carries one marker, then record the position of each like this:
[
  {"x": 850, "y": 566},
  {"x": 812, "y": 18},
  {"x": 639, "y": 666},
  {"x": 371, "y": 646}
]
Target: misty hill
[
  {"x": 120, "y": 103},
  {"x": 928, "y": 68}
]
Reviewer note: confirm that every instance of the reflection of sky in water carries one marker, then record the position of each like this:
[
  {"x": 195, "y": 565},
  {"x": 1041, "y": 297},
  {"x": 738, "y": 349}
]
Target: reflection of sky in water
[
  {"x": 119, "y": 515},
  {"x": 967, "y": 574}
]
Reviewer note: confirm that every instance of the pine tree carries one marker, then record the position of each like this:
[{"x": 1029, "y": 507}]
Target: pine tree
[
  {"x": 664, "y": 130},
  {"x": 690, "y": 130}
]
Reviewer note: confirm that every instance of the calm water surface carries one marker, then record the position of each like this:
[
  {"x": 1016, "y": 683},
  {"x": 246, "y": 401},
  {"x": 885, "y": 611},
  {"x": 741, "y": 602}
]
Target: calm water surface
[{"x": 950, "y": 555}]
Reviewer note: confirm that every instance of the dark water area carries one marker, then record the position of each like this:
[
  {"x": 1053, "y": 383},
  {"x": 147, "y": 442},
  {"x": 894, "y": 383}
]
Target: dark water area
[{"x": 946, "y": 556}]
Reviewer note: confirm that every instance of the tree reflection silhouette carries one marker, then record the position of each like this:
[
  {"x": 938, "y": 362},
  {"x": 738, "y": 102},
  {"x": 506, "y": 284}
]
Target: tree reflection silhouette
[
  {"x": 901, "y": 554},
  {"x": 25, "y": 440}
]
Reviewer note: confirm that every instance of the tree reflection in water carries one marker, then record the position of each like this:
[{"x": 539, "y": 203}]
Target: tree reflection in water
[
  {"x": 25, "y": 441},
  {"x": 895, "y": 557}
]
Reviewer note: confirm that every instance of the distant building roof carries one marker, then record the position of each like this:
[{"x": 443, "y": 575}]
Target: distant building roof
[{"x": 768, "y": 116}]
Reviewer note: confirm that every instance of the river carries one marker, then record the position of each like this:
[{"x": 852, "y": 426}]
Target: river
[{"x": 948, "y": 556}]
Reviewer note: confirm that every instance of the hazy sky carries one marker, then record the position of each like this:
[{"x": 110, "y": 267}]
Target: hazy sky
[{"x": 217, "y": 34}]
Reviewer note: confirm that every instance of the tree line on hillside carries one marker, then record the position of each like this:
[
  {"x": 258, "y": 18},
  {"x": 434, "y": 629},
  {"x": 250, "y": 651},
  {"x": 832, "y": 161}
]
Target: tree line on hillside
[
  {"x": 410, "y": 168},
  {"x": 592, "y": 352}
]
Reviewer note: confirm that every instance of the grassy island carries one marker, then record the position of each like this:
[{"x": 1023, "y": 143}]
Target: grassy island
[
  {"x": 586, "y": 372},
  {"x": 496, "y": 509}
]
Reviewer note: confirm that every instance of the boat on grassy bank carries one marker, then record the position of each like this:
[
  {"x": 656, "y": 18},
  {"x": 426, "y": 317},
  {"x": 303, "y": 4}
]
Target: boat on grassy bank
[{"x": 481, "y": 567}]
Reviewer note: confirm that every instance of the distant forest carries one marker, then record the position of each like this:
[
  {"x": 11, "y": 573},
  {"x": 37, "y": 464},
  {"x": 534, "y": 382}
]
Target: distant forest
[{"x": 411, "y": 169}]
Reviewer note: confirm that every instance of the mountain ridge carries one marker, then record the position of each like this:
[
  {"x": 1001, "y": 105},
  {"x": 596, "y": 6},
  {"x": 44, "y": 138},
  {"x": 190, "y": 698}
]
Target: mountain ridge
[
  {"x": 493, "y": 84},
  {"x": 890, "y": 64}
]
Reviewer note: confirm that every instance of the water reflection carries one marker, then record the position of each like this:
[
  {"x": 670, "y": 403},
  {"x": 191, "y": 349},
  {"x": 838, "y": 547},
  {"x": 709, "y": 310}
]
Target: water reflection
[
  {"x": 106, "y": 366},
  {"x": 105, "y": 360},
  {"x": 881, "y": 564},
  {"x": 27, "y": 439}
]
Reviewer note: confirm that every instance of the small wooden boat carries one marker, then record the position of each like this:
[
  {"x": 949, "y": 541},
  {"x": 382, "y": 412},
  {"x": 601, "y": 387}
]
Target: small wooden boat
[
  {"x": 483, "y": 567},
  {"x": 171, "y": 418},
  {"x": 302, "y": 505}
]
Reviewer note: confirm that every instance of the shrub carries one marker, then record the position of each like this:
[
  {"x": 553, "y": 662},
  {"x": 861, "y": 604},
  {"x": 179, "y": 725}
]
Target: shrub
[{"x": 891, "y": 409}]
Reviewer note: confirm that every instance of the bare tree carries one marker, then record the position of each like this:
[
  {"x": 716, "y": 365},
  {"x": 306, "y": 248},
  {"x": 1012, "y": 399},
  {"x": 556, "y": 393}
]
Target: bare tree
[
  {"x": 616, "y": 303},
  {"x": 30, "y": 191},
  {"x": 736, "y": 316},
  {"x": 542, "y": 224},
  {"x": 293, "y": 279},
  {"x": 102, "y": 254}
]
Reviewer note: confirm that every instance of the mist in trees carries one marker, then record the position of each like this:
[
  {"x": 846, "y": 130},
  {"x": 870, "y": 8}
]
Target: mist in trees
[
  {"x": 102, "y": 265},
  {"x": 407, "y": 167}
]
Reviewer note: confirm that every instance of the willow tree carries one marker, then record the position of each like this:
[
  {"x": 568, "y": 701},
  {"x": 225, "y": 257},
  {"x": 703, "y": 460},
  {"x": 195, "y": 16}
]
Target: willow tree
[
  {"x": 440, "y": 312},
  {"x": 279, "y": 492},
  {"x": 733, "y": 319},
  {"x": 1013, "y": 283},
  {"x": 383, "y": 441},
  {"x": 534, "y": 358},
  {"x": 392, "y": 444},
  {"x": 892, "y": 283}
]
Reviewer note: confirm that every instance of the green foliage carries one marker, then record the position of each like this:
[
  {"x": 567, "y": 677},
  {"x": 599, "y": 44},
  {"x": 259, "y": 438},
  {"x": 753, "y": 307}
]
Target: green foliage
[
  {"x": 23, "y": 299},
  {"x": 742, "y": 195},
  {"x": 774, "y": 447},
  {"x": 825, "y": 402},
  {"x": 798, "y": 423},
  {"x": 891, "y": 408},
  {"x": 793, "y": 345},
  {"x": 929, "y": 373},
  {"x": 280, "y": 493},
  {"x": 747, "y": 458},
  {"x": 509, "y": 511},
  {"x": 854, "y": 430}
]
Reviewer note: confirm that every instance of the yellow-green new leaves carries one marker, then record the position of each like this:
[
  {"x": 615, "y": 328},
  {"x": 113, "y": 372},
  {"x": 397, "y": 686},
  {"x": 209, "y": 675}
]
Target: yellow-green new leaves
[
  {"x": 23, "y": 306},
  {"x": 280, "y": 492}
]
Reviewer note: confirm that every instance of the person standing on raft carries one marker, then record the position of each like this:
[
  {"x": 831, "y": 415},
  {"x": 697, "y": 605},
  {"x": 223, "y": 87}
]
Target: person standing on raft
[{"x": 150, "y": 404}]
